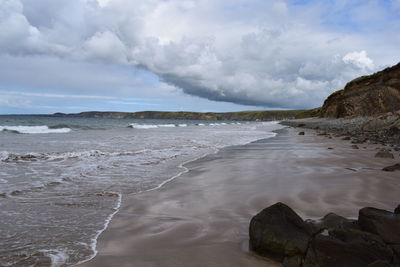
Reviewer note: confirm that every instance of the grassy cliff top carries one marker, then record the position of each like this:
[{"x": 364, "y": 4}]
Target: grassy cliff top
[{"x": 263, "y": 115}]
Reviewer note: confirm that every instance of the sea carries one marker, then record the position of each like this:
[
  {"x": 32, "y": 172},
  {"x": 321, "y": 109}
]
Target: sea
[{"x": 63, "y": 179}]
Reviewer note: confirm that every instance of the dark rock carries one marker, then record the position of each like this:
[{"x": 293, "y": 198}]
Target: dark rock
[
  {"x": 384, "y": 154},
  {"x": 333, "y": 241},
  {"x": 328, "y": 251},
  {"x": 353, "y": 236},
  {"x": 332, "y": 221},
  {"x": 358, "y": 141},
  {"x": 381, "y": 222},
  {"x": 301, "y": 125},
  {"x": 355, "y": 147},
  {"x": 346, "y": 138},
  {"x": 16, "y": 193},
  {"x": 380, "y": 264},
  {"x": 392, "y": 168},
  {"x": 393, "y": 131},
  {"x": 279, "y": 232},
  {"x": 315, "y": 227},
  {"x": 330, "y": 148},
  {"x": 397, "y": 210},
  {"x": 107, "y": 194},
  {"x": 301, "y": 133},
  {"x": 396, "y": 250},
  {"x": 294, "y": 261}
]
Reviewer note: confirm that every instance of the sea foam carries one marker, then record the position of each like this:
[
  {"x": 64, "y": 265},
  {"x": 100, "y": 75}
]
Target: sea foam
[
  {"x": 43, "y": 129},
  {"x": 154, "y": 126}
]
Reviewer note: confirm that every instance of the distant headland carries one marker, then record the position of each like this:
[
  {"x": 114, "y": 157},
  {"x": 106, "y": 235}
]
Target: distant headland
[{"x": 265, "y": 115}]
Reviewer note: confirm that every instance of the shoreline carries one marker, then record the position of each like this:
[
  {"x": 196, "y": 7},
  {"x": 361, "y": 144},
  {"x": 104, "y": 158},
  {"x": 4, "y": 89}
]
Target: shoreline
[
  {"x": 140, "y": 215},
  {"x": 181, "y": 166},
  {"x": 110, "y": 217},
  {"x": 383, "y": 129}
]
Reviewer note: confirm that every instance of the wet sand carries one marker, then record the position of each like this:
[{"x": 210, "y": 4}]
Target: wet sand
[{"x": 202, "y": 217}]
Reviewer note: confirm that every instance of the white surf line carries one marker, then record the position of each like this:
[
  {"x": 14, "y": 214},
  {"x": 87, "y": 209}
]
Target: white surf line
[
  {"x": 185, "y": 170},
  {"x": 216, "y": 150},
  {"x": 93, "y": 244}
]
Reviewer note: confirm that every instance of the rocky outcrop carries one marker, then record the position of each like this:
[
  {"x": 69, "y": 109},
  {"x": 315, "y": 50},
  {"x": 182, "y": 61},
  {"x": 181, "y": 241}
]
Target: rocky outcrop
[
  {"x": 334, "y": 241},
  {"x": 382, "y": 223},
  {"x": 366, "y": 96},
  {"x": 392, "y": 168},
  {"x": 382, "y": 129},
  {"x": 287, "y": 235}
]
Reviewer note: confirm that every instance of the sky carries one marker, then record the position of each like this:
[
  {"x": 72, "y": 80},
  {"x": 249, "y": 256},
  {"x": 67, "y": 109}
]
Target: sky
[{"x": 196, "y": 55}]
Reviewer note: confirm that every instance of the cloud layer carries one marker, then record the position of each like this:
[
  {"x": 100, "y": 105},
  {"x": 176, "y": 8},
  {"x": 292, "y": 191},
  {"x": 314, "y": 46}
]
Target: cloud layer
[{"x": 275, "y": 54}]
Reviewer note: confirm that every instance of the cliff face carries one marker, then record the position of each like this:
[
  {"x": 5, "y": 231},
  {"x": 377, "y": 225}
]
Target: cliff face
[{"x": 366, "y": 96}]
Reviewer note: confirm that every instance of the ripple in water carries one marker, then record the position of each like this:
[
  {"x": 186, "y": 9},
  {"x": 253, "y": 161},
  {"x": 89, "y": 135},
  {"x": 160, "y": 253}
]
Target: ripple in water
[{"x": 58, "y": 192}]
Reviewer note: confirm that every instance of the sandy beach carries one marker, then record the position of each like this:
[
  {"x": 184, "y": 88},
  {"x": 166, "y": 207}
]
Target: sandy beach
[{"x": 201, "y": 218}]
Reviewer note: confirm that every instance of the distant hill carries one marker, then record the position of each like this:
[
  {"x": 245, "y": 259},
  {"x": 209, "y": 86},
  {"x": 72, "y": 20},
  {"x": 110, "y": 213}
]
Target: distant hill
[
  {"x": 265, "y": 115},
  {"x": 371, "y": 95}
]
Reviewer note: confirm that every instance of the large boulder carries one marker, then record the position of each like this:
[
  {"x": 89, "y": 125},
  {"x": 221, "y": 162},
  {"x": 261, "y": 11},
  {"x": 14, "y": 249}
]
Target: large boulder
[
  {"x": 343, "y": 243},
  {"x": 278, "y": 232},
  {"x": 333, "y": 241},
  {"x": 353, "y": 249},
  {"x": 381, "y": 222}
]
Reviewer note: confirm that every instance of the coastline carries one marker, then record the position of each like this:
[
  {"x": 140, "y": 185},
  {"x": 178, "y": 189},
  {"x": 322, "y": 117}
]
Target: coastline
[
  {"x": 120, "y": 196},
  {"x": 184, "y": 170},
  {"x": 202, "y": 218},
  {"x": 383, "y": 129}
]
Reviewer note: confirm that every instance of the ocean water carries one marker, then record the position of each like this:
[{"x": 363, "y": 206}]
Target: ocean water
[{"x": 62, "y": 179}]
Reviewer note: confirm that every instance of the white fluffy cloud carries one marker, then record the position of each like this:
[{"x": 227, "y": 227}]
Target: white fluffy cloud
[
  {"x": 359, "y": 59},
  {"x": 254, "y": 52}
]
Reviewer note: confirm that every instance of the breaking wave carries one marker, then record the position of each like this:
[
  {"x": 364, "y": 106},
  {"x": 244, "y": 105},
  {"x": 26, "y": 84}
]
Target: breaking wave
[
  {"x": 43, "y": 129},
  {"x": 56, "y": 156},
  {"x": 155, "y": 126}
]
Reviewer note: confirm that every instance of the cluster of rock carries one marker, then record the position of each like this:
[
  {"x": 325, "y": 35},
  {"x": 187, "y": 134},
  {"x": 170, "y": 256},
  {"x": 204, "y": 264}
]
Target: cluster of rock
[
  {"x": 371, "y": 241},
  {"x": 383, "y": 129}
]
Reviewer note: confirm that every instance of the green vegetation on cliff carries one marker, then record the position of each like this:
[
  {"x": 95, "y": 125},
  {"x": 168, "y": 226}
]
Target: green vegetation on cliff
[
  {"x": 315, "y": 112},
  {"x": 264, "y": 115},
  {"x": 370, "y": 95}
]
